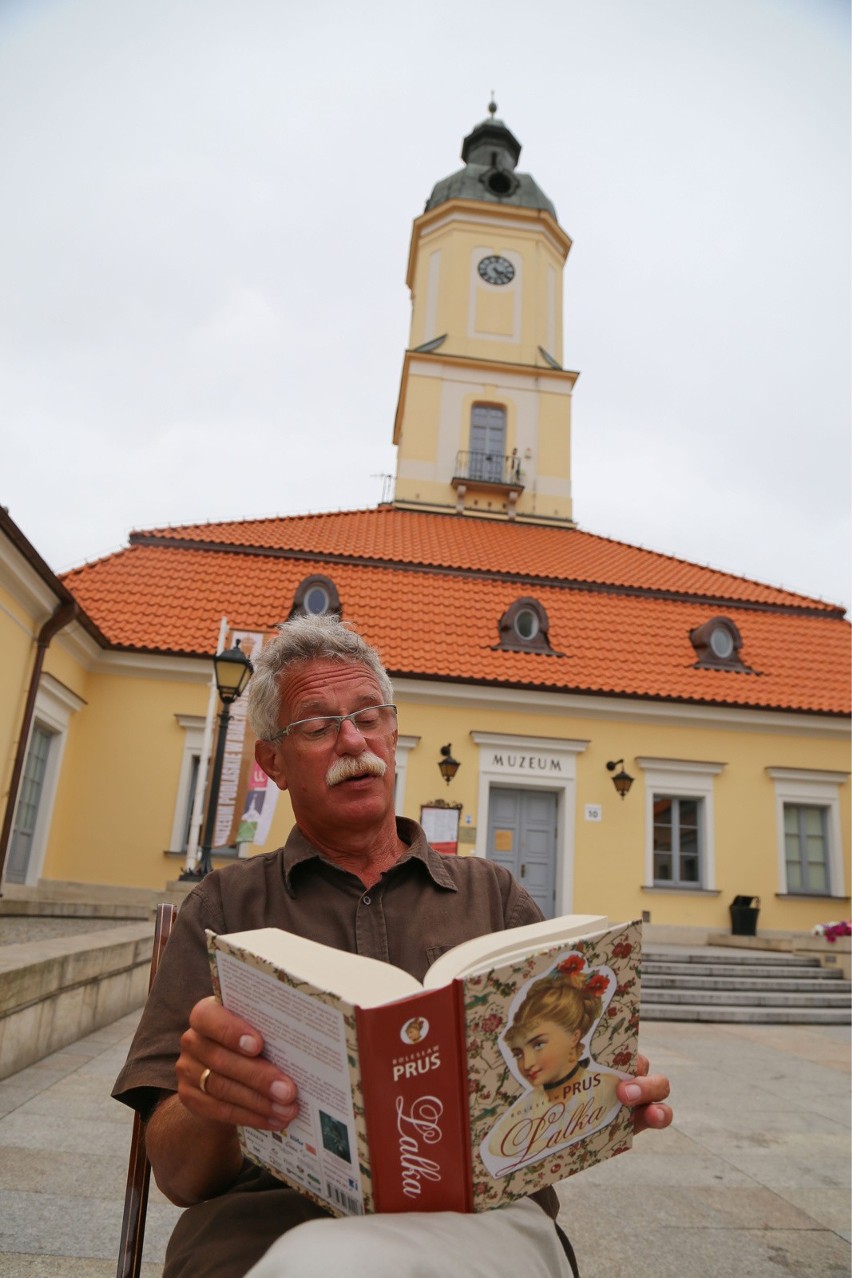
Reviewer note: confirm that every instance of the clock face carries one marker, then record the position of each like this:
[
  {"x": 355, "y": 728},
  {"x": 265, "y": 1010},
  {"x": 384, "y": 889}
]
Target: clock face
[{"x": 496, "y": 270}]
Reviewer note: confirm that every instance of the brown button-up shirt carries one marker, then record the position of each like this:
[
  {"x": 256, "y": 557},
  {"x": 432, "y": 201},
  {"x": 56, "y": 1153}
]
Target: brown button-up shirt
[{"x": 425, "y": 904}]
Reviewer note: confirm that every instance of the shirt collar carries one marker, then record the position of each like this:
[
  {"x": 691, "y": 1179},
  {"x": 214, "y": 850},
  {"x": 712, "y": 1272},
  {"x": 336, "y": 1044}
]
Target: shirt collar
[{"x": 298, "y": 850}]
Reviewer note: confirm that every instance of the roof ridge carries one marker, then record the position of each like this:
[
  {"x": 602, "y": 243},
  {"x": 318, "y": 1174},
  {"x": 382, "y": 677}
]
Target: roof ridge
[
  {"x": 176, "y": 535},
  {"x": 159, "y": 529}
]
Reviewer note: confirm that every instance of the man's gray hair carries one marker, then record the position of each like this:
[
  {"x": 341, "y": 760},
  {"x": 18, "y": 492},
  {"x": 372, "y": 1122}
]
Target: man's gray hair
[{"x": 299, "y": 640}]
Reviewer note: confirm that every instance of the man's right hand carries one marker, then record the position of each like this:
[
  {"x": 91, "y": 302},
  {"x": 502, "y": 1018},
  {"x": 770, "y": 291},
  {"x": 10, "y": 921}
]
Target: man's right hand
[
  {"x": 191, "y": 1137},
  {"x": 241, "y": 1088}
]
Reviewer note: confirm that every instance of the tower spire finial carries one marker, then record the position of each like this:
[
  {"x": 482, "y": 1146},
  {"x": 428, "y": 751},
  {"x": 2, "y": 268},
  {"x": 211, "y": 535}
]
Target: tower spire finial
[{"x": 492, "y": 106}]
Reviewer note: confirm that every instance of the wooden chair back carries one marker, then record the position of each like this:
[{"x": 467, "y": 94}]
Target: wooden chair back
[{"x": 139, "y": 1169}]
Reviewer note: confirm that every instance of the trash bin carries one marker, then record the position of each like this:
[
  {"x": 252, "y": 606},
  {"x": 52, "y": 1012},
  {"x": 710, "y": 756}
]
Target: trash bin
[{"x": 744, "y": 912}]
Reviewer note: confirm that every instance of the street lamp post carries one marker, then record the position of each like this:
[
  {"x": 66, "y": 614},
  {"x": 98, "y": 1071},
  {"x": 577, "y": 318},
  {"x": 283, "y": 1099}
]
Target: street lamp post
[{"x": 233, "y": 671}]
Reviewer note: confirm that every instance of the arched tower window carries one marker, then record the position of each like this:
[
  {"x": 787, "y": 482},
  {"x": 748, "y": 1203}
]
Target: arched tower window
[{"x": 487, "y": 441}]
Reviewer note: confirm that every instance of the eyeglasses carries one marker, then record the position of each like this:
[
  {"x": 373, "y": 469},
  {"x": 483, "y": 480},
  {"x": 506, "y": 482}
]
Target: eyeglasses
[{"x": 326, "y": 727}]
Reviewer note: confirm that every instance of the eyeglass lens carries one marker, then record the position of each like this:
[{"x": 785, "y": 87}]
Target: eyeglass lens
[{"x": 370, "y": 719}]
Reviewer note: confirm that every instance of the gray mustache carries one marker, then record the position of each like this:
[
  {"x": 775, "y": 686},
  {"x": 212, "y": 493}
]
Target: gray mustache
[{"x": 366, "y": 764}]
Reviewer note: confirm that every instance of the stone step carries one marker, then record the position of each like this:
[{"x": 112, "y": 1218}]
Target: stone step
[
  {"x": 780, "y": 983},
  {"x": 729, "y": 1014},
  {"x": 757, "y": 987},
  {"x": 687, "y": 970},
  {"x": 736, "y": 956},
  {"x": 744, "y": 998}
]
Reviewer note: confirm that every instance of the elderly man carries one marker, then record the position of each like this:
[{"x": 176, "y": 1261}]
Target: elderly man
[{"x": 354, "y": 876}]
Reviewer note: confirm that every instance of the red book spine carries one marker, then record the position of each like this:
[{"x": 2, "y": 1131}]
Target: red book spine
[{"x": 413, "y": 1076}]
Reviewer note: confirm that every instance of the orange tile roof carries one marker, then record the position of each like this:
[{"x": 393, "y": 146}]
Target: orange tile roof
[
  {"x": 443, "y": 624},
  {"x": 469, "y": 543}
]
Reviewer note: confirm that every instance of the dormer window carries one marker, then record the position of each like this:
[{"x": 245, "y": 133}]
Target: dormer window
[
  {"x": 524, "y": 628},
  {"x": 717, "y": 645},
  {"x": 315, "y": 596}
]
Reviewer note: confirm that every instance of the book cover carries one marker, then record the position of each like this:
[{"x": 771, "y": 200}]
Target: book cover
[
  {"x": 455, "y": 1098},
  {"x": 547, "y": 1041},
  {"x": 311, "y": 1035}
]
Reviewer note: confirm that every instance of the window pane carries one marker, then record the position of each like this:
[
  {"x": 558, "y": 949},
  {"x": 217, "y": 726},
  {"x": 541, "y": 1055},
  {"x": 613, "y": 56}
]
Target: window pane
[
  {"x": 689, "y": 869},
  {"x": 813, "y": 821},
  {"x": 662, "y": 811},
  {"x": 677, "y": 839},
  {"x": 32, "y": 780},
  {"x": 688, "y": 842},
  {"x": 662, "y": 867},
  {"x": 817, "y": 878},
  {"x": 689, "y": 812},
  {"x": 816, "y": 850},
  {"x": 806, "y": 848},
  {"x": 662, "y": 838}
]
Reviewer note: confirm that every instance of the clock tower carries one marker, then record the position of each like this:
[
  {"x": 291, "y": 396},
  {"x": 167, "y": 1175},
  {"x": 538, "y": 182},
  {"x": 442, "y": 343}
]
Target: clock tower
[{"x": 483, "y": 423}]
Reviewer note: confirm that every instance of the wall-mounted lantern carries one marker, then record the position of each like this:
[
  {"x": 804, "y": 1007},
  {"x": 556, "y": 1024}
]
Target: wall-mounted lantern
[
  {"x": 447, "y": 765},
  {"x": 622, "y": 780}
]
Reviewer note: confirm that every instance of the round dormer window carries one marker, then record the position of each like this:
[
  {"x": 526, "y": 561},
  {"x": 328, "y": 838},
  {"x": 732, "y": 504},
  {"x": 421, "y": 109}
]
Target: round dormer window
[
  {"x": 315, "y": 596},
  {"x": 524, "y": 627},
  {"x": 316, "y": 601},
  {"x": 526, "y": 624},
  {"x": 717, "y": 645},
  {"x": 722, "y": 643}
]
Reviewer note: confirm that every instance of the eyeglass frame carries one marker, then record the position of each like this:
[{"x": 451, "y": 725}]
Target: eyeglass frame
[{"x": 339, "y": 719}]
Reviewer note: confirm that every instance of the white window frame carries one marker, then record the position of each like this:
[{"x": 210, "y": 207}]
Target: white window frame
[
  {"x": 811, "y": 788},
  {"x": 193, "y": 743},
  {"x": 54, "y": 706},
  {"x": 682, "y": 779},
  {"x": 404, "y": 746}
]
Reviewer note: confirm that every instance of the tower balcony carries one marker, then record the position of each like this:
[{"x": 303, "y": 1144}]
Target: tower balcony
[
  {"x": 494, "y": 472},
  {"x": 490, "y": 469}
]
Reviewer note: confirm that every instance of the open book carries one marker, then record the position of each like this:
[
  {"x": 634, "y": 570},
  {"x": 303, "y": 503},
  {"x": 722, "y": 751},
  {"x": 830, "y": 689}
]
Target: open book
[{"x": 494, "y": 1077}]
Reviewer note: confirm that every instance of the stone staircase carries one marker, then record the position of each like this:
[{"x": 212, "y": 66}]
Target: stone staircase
[{"x": 757, "y": 987}]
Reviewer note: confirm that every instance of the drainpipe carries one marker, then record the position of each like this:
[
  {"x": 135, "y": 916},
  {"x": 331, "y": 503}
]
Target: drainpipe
[{"x": 63, "y": 615}]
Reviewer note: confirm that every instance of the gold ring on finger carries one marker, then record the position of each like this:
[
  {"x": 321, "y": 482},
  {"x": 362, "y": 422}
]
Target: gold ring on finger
[{"x": 202, "y": 1082}]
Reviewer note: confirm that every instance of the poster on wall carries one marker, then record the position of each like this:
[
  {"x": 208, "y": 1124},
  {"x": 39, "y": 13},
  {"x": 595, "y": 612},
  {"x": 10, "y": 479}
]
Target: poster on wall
[{"x": 441, "y": 827}]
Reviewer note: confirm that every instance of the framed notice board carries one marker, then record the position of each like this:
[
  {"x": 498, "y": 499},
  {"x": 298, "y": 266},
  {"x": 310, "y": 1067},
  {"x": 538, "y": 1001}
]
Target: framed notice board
[{"x": 440, "y": 823}]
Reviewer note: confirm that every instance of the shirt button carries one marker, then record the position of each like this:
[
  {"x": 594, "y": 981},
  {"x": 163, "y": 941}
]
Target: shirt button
[{"x": 366, "y": 900}]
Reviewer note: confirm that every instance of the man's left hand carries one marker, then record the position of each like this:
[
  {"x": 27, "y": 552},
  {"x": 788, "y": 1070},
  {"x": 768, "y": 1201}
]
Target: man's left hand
[{"x": 645, "y": 1094}]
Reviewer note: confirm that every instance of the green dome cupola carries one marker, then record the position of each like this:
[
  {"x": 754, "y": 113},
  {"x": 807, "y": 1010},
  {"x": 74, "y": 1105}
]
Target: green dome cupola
[{"x": 491, "y": 152}]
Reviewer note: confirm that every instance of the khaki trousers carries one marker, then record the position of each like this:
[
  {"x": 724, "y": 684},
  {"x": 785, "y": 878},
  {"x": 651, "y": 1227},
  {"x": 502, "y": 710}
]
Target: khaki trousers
[{"x": 517, "y": 1241}]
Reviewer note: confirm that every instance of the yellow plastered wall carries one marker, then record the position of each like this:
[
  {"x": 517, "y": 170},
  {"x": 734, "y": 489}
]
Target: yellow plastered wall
[
  {"x": 116, "y": 797},
  {"x": 436, "y": 423},
  {"x": 61, "y": 662},
  {"x": 610, "y": 855},
  {"x": 494, "y": 311},
  {"x": 419, "y": 437},
  {"x": 500, "y": 328},
  {"x": 554, "y": 436},
  {"x": 17, "y": 643},
  {"x": 449, "y": 297}
]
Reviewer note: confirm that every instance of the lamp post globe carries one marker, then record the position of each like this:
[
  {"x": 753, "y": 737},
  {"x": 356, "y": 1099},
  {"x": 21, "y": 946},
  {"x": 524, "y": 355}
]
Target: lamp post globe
[{"x": 233, "y": 671}]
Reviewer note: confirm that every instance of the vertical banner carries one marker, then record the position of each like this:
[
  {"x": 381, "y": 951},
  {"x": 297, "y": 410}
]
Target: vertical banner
[
  {"x": 199, "y": 801},
  {"x": 246, "y": 796}
]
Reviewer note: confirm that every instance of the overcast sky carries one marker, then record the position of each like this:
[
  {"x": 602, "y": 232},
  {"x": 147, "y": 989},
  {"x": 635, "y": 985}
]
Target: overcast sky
[{"x": 204, "y": 232}]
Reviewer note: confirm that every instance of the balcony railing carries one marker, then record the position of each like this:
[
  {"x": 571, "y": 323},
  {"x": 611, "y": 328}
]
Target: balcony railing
[{"x": 488, "y": 468}]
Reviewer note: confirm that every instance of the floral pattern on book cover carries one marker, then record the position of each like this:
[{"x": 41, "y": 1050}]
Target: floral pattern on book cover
[{"x": 530, "y": 1128}]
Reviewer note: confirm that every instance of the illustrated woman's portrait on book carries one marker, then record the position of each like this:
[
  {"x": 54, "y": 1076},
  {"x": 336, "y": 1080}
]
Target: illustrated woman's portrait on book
[{"x": 547, "y": 1046}]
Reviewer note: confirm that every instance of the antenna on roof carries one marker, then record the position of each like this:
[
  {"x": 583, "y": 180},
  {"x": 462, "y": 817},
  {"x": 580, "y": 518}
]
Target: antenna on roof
[{"x": 387, "y": 480}]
